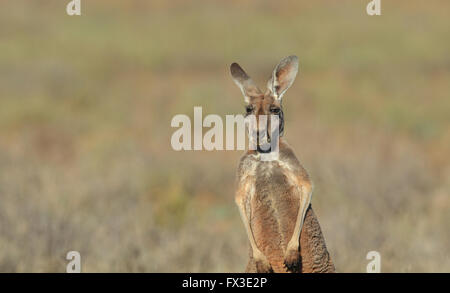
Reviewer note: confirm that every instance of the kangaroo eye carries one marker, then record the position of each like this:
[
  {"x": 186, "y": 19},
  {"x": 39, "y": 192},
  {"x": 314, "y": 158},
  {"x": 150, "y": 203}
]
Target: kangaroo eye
[
  {"x": 275, "y": 110},
  {"x": 249, "y": 109}
]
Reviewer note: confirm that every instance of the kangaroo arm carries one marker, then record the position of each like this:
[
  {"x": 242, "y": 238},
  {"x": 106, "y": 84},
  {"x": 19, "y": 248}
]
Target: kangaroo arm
[
  {"x": 305, "y": 200},
  {"x": 241, "y": 195}
]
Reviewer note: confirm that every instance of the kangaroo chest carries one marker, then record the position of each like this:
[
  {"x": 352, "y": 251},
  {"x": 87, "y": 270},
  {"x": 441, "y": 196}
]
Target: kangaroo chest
[
  {"x": 274, "y": 181},
  {"x": 272, "y": 207},
  {"x": 274, "y": 198}
]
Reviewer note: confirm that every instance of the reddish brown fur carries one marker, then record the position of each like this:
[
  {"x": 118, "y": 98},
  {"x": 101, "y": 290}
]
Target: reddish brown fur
[
  {"x": 314, "y": 254},
  {"x": 273, "y": 210},
  {"x": 274, "y": 196}
]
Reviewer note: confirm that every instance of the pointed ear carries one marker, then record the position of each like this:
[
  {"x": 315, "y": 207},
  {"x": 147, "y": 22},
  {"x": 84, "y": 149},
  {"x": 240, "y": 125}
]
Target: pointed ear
[
  {"x": 244, "y": 82},
  {"x": 283, "y": 76}
]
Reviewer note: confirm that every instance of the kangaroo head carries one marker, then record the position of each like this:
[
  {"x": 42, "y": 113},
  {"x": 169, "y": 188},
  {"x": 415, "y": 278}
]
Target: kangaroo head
[{"x": 268, "y": 103}]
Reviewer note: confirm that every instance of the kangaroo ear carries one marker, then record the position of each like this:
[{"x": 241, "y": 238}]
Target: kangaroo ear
[
  {"x": 244, "y": 82},
  {"x": 283, "y": 76}
]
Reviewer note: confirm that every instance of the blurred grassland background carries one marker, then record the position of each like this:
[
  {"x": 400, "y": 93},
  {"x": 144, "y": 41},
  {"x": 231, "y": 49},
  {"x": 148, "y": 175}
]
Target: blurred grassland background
[{"x": 85, "y": 110}]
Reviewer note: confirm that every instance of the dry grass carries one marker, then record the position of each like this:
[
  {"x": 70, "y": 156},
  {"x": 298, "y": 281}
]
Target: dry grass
[{"x": 85, "y": 110}]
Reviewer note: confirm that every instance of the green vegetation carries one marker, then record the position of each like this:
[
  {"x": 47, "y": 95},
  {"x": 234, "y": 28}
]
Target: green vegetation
[{"x": 85, "y": 110}]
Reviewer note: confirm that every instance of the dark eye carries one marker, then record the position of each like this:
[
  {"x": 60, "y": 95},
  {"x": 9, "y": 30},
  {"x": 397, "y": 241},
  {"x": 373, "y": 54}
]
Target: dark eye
[
  {"x": 275, "y": 110},
  {"x": 249, "y": 109}
]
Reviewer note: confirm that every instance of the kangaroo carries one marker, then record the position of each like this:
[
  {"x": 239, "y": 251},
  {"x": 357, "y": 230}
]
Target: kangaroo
[{"x": 274, "y": 197}]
